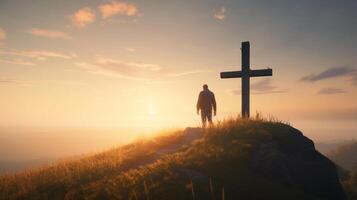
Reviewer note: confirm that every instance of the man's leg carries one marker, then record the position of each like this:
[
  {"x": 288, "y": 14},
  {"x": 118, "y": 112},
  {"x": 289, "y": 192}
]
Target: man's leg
[
  {"x": 209, "y": 117},
  {"x": 203, "y": 117}
]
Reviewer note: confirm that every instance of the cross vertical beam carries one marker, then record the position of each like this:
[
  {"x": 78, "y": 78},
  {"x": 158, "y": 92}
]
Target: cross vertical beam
[{"x": 245, "y": 79}]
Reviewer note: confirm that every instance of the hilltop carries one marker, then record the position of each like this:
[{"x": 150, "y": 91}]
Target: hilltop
[{"x": 236, "y": 159}]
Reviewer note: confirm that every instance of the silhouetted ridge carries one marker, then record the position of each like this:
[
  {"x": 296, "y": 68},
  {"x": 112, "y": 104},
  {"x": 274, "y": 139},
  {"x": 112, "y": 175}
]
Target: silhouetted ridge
[{"x": 237, "y": 159}]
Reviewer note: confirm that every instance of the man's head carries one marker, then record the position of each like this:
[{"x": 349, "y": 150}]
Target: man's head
[{"x": 205, "y": 87}]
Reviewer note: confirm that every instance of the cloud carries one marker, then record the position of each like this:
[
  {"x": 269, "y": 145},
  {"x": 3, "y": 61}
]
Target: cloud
[
  {"x": 108, "y": 61},
  {"x": 262, "y": 87},
  {"x": 49, "y": 33},
  {"x": 354, "y": 79},
  {"x": 330, "y": 73},
  {"x": 63, "y": 82},
  {"x": 130, "y": 49},
  {"x": 4, "y": 80},
  {"x": 220, "y": 14},
  {"x": 12, "y": 81},
  {"x": 83, "y": 17},
  {"x": 123, "y": 69},
  {"x": 333, "y": 113},
  {"x": 189, "y": 73},
  {"x": 327, "y": 91},
  {"x": 2, "y": 35},
  {"x": 343, "y": 114},
  {"x": 95, "y": 69},
  {"x": 130, "y": 70},
  {"x": 108, "y": 10},
  {"x": 39, "y": 55},
  {"x": 17, "y": 62}
]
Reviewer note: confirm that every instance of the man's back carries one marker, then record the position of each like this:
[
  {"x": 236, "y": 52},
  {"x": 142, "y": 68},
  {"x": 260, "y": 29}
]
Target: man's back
[{"x": 206, "y": 100}]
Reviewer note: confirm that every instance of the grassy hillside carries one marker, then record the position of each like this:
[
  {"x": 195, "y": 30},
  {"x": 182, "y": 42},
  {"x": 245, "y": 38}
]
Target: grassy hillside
[{"x": 236, "y": 159}]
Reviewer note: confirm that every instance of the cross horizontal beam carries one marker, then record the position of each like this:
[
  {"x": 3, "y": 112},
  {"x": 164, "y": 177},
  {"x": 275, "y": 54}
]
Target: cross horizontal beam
[
  {"x": 252, "y": 73},
  {"x": 233, "y": 74},
  {"x": 260, "y": 72}
]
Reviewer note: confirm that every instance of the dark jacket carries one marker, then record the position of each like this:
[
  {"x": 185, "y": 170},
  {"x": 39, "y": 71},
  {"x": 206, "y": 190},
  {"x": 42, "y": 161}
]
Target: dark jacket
[{"x": 206, "y": 101}]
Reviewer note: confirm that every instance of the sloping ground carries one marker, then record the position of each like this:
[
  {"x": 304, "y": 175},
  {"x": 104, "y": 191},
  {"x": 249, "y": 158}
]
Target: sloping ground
[
  {"x": 237, "y": 159},
  {"x": 345, "y": 156},
  {"x": 55, "y": 181}
]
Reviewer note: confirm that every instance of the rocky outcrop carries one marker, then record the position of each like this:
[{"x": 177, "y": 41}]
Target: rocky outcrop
[{"x": 293, "y": 160}]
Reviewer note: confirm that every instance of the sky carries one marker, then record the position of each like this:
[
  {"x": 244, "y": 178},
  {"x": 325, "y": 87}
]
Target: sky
[{"x": 141, "y": 63}]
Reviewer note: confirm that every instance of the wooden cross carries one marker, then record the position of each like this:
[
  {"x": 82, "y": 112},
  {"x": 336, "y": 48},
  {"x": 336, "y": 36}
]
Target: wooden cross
[{"x": 245, "y": 74}]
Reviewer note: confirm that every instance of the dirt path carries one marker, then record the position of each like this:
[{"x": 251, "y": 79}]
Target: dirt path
[{"x": 190, "y": 135}]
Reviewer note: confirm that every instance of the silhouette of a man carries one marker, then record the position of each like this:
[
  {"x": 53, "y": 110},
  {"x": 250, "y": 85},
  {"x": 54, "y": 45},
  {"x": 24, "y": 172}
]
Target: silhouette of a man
[{"x": 206, "y": 101}]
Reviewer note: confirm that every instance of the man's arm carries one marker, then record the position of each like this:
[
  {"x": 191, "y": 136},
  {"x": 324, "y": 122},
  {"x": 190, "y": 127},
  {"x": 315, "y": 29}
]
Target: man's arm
[
  {"x": 198, "y": 105},
  {"x": 214, "y": 104}
]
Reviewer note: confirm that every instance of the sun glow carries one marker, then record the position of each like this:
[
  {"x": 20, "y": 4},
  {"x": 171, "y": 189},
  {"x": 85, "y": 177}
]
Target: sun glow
[
  {"x": 152, "y": 110},
  {"x": 151, "y": 107}
]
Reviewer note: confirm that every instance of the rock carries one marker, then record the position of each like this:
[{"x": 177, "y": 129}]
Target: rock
[{"x": 295, "y": 162}]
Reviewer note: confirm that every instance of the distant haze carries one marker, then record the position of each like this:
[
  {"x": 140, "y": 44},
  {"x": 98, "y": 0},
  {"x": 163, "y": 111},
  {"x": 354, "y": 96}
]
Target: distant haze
[{"x": 35, "y": 146}]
